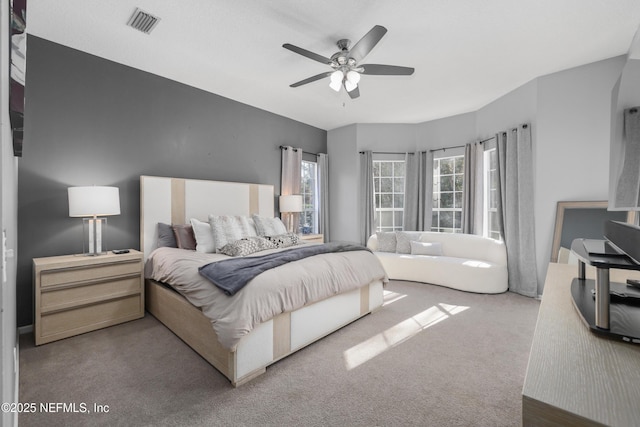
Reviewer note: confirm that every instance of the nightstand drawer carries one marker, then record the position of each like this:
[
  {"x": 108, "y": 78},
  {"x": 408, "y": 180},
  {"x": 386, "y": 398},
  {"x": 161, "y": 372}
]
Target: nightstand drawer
[
  {"x": 66, "y": 323},
  {"x": 78, "y": 294},
  {"x": 59, "y": 298},
  {"x": 86, "y": 273}
]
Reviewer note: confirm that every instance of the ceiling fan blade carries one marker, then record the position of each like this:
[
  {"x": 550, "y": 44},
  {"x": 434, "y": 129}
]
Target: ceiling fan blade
[
  {"x": 386, "y": 70},
  {"x": 368, "y": 42},
  {"x": 311, "y": 79},
  {"x": 354, "y": 93},
  {"x": 307, "y": 53}
]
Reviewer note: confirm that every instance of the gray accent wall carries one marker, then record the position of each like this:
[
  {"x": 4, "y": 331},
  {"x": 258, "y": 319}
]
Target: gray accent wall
[{"x": 92, "y": 121}]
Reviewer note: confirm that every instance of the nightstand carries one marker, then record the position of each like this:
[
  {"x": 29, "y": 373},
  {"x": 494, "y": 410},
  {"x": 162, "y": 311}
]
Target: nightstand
[
  {"x": 312, "y": 238},
  {"x": 76, "y": 294}
]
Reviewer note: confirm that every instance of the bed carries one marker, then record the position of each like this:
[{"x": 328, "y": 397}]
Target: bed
[{"x": 176, "y": 201}]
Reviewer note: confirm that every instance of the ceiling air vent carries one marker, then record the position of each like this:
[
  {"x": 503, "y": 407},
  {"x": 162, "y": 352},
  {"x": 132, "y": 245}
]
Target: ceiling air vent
[{"x": 143, "y": 21}]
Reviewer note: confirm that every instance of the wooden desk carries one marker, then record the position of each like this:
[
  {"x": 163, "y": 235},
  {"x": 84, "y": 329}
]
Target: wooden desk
[{"x": 574, "y": 377}]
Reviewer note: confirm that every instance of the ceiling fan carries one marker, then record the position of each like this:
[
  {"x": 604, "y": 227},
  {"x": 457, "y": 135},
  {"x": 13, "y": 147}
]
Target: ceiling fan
[{"x": 345, "y": 68}]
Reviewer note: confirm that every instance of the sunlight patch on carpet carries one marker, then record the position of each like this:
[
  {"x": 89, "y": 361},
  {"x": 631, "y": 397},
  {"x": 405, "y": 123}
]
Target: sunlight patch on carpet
[
  {"x": 389, "y": 297},
  {"x": 399, "y": 333}
]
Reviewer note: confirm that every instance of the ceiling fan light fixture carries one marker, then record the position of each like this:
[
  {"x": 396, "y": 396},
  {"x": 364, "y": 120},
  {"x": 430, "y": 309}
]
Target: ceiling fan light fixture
[
  {"x": 349, "y": 85},
  {"x": 337, "y": 76},
  {"x": 335, "y": 86},
  {"x": 353, "y": 77}
]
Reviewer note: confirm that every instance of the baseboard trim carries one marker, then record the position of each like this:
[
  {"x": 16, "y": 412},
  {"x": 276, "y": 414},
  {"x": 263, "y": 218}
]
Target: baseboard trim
[{"x": 25, "y": 329}]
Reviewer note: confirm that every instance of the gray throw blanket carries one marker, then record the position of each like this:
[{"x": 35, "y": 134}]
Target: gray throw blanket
[{"x": 231, "y": 275}]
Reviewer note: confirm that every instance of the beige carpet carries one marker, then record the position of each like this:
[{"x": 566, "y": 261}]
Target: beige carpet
[{"x": 432, "y": 356}]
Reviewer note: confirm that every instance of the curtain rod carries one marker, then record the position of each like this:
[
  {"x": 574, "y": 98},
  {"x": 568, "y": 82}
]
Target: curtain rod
[
  {"x": 386, "y": 152},
  {"x": 446, "y": 148},
  {"x": 282, "y": 147}
]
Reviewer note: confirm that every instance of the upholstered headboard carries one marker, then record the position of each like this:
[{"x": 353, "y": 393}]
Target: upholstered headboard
[{"x": 177, "y": 200}]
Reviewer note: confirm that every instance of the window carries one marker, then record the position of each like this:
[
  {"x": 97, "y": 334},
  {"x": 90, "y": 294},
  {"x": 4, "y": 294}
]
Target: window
[
  {"x": 448, "y": 184},
  {"x": 388, "y": 187},
  {"x": 491, "y": 226},
  {"x": 309, "y": 191}
]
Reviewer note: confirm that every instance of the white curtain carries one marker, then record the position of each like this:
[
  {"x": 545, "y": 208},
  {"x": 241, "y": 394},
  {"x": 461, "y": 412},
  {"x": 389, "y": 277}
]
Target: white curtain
[
  {"x": 473, "y": 204},
  {"x": 290, "y": 181},
  {"x": 418, "y": 191},
  {"x": 367, "y": 226},
  {"x": 323, "y": 195},
  {"x": 515, "y": 195}
]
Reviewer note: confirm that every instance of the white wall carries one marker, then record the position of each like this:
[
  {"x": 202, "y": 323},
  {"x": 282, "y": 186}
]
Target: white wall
[{"x": 569, "y": 112}]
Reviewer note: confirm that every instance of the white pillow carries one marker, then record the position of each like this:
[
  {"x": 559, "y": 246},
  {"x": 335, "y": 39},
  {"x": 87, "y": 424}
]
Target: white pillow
[
  {"x": 426, "y": 248},
  {"x": 204, "y": 236},
  {"x": 269, "y": 226},
  {"x": 229, "y": 228}
]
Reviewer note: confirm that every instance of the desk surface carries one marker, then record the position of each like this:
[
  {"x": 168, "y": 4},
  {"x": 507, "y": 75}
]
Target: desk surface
[{"x": 575, "y": 377}]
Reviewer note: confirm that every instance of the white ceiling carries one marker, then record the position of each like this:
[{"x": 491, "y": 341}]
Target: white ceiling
[{"x": 466, "y": 53}]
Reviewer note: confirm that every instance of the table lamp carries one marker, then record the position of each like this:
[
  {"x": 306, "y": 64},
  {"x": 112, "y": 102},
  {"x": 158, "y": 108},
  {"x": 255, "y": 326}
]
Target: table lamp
[
  {"x": 290, "y": 204},
  {"x": 92, "y": 202}
]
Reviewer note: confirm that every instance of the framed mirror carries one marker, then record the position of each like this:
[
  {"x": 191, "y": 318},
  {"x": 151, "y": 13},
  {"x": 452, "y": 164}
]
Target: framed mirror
[{"x": 582, "y": 220}]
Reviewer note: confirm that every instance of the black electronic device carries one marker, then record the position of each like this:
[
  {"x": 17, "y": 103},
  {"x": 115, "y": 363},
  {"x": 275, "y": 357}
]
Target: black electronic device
[{"x": 120, "y": 251}]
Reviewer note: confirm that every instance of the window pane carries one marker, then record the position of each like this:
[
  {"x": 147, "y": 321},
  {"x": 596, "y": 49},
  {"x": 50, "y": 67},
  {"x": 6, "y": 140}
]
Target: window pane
[
  {"x": 376, "y": 185},
  {"x": 459, "y": 182},
  {"x": 397, "y": 217},
  {"x": 458, "y": 199},
  {"x": 460, "y": 165},
  {"x": 446, "y": 166},
  {"x": 446, "y": 183},
  {"x": 457, "y": 219},
  {"x": 386, "y": 185},
  {"x": 398, "y": 168},
  {"x": 386, "y": 219},
  {"x": 398, "y": 185},
  {"x": 446, "y": 219},
  {"x": 386, "y": 169},
  {"x": 435, "y": 219},
  {"x": 446, "y": 200},
  {"x": 398, "y": 200},
  {"x": 386, "y": 201}
]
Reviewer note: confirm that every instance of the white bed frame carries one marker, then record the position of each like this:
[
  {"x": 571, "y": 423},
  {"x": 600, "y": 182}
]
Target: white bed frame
[{"x": 175, "y": 201}]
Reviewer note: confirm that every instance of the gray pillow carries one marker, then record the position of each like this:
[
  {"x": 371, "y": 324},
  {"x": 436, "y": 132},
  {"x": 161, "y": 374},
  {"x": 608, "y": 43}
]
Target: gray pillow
[
  {"x": 247, "y": 246},
  {"x": 426, "y": 248},
  {"x": 166, "y": 237},
  {"x": 403, "y": 239},
  {"x": 386, "y": 241}
]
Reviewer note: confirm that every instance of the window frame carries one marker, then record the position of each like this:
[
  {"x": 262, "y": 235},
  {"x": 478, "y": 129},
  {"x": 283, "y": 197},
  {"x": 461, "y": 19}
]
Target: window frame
[
  {"x": 396, "y": 195},
  {"x": 313, "y": 194},
  {"x": 437, "y": 192}
]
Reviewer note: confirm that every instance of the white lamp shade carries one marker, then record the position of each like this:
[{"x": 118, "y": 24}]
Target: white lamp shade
[
  {"x": 94, "y": 201},
  {"x": 353, "y": 77},
  {"x": 291, "y": 203}
]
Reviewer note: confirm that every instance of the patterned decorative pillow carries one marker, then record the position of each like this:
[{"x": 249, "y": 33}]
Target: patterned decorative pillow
[
  {"x": 403, "y": 239},
  {"x": 229, "y": 228},
  {"x": 166, "y": 237},
  {"x": 284, "y": 240},
  {"x": 204, "y": 236},
  {"x": 184, "y": 236},
  {"x": 386, "y": 241},
  {"x": 426, "y": 248},
  {"x": 247, "y": 246},
  {"x": 269, "y": 226}
]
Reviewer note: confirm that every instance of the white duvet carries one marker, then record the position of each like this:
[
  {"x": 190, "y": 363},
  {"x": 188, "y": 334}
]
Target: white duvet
[{"x": 282, "y": 289}]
